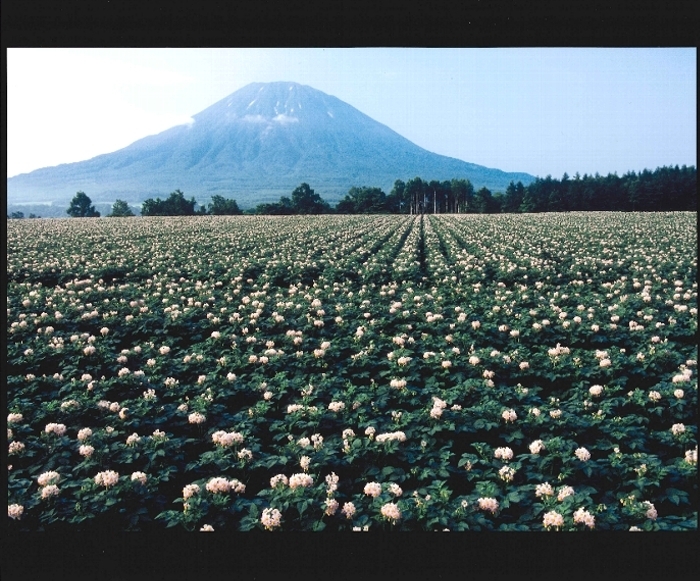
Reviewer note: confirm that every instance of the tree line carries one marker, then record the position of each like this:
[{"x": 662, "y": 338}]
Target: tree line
[{"x": 665, "y": 189}]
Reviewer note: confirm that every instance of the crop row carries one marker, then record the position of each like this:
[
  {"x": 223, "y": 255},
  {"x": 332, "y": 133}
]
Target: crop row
[{"x": 403, "y": 372}]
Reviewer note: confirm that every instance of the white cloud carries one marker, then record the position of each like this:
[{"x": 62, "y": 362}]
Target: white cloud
[{"x": 284, "y": 119}]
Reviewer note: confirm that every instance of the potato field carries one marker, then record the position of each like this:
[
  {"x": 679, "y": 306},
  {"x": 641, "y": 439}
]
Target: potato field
[{"x": 525, "y": 372}]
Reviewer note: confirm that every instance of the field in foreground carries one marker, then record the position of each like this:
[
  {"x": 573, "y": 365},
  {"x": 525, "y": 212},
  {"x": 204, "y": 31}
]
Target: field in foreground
[{"x": 510, "y": 372}]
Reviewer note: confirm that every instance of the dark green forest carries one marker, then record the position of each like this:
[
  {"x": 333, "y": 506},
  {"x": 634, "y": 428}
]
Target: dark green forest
[{"x": 666, "y": 189}]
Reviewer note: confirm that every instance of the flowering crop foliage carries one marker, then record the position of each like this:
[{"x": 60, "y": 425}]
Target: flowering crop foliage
[{"x": 461, "y": 372}]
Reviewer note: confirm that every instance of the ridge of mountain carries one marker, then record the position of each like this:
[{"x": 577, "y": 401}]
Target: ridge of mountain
[{"x": 254, "y": 145}]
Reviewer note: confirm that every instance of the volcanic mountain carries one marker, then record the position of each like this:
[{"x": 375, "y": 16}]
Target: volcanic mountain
[{"x": 255, "y": 145}]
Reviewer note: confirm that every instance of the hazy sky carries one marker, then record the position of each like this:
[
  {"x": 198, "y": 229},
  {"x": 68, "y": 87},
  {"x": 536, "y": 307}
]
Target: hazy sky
[{"x": 541, "y": 111}]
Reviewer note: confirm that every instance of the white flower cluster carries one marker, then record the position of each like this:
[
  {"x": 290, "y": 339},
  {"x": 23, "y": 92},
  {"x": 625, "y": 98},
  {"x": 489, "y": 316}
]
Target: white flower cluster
[
  {"x": 509, "y": 415},
  {"x": 107, "y": 478},
  {"x": 300, "y": 480},
  {"x": 220, "y": 485},
  {"x": 552, "y": 519},
  {"x": 438, "y": 407},
  {"x": 504, "y": 453},
  {"x": 58, "y": 429},
  {"x": 271, "y": 518},
  {"x": 536, "y": 447},
  {"x": 226, "y": 439},
  {"x": 390, "y": 436},
  {"x": 488, "y": 504},
  {"x": 391, "y": 512}
]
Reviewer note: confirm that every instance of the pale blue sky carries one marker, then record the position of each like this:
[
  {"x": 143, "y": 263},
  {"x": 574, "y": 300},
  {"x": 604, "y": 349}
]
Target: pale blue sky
[{"x": 541, "y": 111}]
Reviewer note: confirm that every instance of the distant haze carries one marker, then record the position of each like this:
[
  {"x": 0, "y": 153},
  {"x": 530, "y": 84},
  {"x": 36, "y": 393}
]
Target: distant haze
[{"x": 255, "y": 145}]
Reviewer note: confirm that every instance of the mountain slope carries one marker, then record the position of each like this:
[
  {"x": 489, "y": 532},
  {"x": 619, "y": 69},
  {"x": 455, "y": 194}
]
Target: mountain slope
[{"x": 255, "y": 145}]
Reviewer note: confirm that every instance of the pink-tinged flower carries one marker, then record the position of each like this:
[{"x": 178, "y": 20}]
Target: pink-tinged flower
[
  {"x": 564, "y": 491},
  {"x": 226, "y": 439},
  {"x": 336, "y": 406},
  {"x": 133, "y": 439},
  {"x": 488, "y": 504},
  {"x": 373, "y": 489},
  {"x": 107, "y": 478},
  {"x": 300, "y": 480},
  {"x": 536, "y": 447},
  {"x": 677, "y": 429},
  {"x": 164, "y": 350},
  {"x": 331, "y": 506},
  {"x": 544, "y": 489},
  {"x": 535, "y": 412},
  {"x": 236, "y": 486},
  {"x": 524, "y": 365},
  {"x": 15, "y": 447},
  {"x": 218, "y": 485},
  {"x": 605, "y": 363},
  {"x": 58, "y": 429},
  {"x": 332, "y": 482},
  {"x": 395, "y": 489},
  {"x": 398, "y": 383},
  {"x": 305, "y": 462},
  {"x": 84, "y": 434},
  {"x": 277, "y": 480},
  {"x": 654, "y": 396},
  {"x": 140, "y": 477},
  {"x": 678, "y": 394},
  {"x": 389, "y": 436},
  {"x": 196, "y": 418},
  {"x": 391, "y": 512},
  {"x": 317, "y": 440},
  {"x": 86, "y": 450},
  {"x": 271, "y": 518},
  {"x": 15, "y": 511},
  {"x": 49, "y": 491},
  {"x": 206, "y": 529},
  {"x": 595, "y": 390},
  {"x": 47, "y": 478},
  {"x": 651, "y": 510},
  {"x": 582, "y": 454},
  {"x": 348, "y": 509},
  {"x": 14, "y": 418},
  {"x": 506, "y": 473},
  {"x": 190, "y": 490},
  {"x": 552, "y": 519},
  {"x": 555, "y": 414},
  {"x": 509, "y": 415},
  {"x": 582, "y": 516},
  {"x": 503, "y": 453},
  {"x": 123, "y": 413},
  {"x": 476, "y": 325}
]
